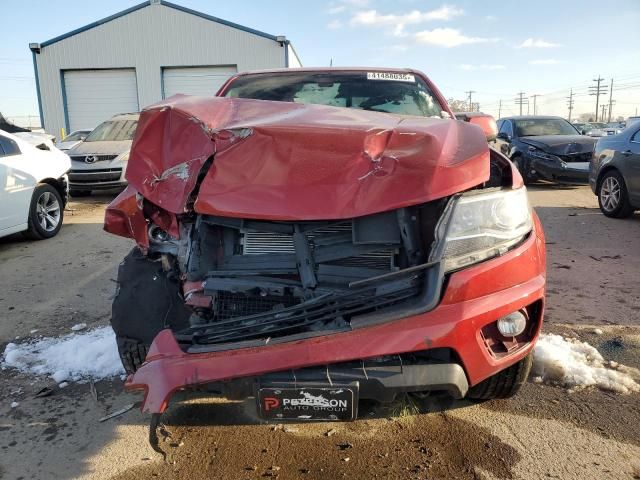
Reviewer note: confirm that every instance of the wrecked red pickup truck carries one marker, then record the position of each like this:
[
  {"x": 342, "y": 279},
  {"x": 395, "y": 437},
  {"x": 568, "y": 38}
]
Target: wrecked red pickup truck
[{"x": 317, "y": 236}]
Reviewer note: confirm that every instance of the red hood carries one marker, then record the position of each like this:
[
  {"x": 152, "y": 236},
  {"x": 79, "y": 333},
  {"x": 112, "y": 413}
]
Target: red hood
[{"x": 287, "y": 161}]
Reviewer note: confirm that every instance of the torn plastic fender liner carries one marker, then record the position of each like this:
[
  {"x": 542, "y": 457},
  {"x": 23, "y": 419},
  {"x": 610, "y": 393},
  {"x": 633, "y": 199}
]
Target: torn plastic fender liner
[{"x": 275, "y": 160}]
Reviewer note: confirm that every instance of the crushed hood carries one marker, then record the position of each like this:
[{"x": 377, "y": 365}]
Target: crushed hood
[
  {"x": 287, "y": 161},
  {"x": 561, "y": 144}
]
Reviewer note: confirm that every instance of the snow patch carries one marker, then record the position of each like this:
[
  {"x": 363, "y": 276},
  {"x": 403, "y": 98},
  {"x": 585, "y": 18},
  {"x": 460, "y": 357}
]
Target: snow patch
[
  {"x": 78, "y": 357},
  {"x": 14, "y": 404},
  {"x": 79, "y": 326},
  {"x": 574, "y": 364}
]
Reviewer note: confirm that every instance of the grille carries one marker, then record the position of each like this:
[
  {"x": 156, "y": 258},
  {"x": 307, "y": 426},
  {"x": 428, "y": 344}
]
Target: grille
[
  {"x": 577, "y": 157},
  {"x": 95, "y": 175},
  {"x": 230, "y": 305},
  {"x": 333, "y": 311},
  {"x": 260, "y": 243},
  {"x": 99, "y": 158}
]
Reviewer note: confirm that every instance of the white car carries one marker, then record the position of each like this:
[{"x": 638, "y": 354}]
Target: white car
[
  {"x": 33, "y": 187},
  {"x": 73, "y": 139}
]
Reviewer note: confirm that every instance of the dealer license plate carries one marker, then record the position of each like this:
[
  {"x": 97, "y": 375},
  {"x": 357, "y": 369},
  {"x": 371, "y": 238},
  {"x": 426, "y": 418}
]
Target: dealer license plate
[{"x": 308, "y": 402}]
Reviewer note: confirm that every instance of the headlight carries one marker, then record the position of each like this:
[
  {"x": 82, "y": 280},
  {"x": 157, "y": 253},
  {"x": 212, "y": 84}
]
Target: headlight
[
  {"x": 123, "y": 157},
  {"x": 535, "y": 153},
  {"x": 477, "y": 226}
]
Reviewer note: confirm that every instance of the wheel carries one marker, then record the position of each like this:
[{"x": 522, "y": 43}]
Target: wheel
[
  {"x": 46, "y": 213},
  {"x": 613, "y": 197},
  {"x": 79, "y": 193},
  {"x": 503, "y": 384},
  {"x": 147, "y": 300},
  {"x": 519, "y": 163}
]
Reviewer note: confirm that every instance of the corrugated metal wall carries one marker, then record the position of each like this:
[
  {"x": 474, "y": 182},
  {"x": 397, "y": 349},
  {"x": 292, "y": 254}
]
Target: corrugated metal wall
[{"x": 148, "y": 39}]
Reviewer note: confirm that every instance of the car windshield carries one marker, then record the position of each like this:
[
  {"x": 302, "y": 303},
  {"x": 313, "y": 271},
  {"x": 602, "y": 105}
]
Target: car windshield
[
  {"x": 113, "y": 131},
  {"x": 75, "y": 136},
  {"x": 400, "y": 93},
  {"x": 534, "y": 127}
]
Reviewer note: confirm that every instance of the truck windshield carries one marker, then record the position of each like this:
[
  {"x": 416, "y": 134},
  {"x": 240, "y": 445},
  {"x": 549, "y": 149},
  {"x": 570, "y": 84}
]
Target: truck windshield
[
  {"x": 399, "y": 93},
  {"x": 113, "y": 131}
]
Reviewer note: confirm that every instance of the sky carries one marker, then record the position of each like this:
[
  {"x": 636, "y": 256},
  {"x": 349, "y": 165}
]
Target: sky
[{"x": 495, "y": 48}]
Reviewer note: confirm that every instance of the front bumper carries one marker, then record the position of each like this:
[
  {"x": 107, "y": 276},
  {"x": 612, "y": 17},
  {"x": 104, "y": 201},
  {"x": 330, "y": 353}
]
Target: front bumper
[
  {"x": 556, "y": 171},
  {"x": 473, "y": 298},
  {"x": 100, "y": 176}
]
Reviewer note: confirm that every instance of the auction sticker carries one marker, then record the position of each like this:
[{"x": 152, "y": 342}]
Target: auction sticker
[{"x": 392, "y": 76}]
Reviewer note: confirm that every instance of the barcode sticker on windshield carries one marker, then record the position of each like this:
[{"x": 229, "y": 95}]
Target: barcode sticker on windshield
[{"x": 396, "y": 77}]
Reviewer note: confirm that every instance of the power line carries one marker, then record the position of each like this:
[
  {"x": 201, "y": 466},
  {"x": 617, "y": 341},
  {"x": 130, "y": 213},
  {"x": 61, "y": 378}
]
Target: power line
[
  {"x": 469, "y": 93},
  {"x": 570, "y": 102},
  {"x": 597, "y": 90},
  {"x": 521, "y": 101}
]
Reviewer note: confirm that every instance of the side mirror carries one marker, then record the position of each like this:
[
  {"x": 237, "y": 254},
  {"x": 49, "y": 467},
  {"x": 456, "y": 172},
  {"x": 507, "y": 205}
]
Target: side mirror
[{"x": 503, "y": 136}]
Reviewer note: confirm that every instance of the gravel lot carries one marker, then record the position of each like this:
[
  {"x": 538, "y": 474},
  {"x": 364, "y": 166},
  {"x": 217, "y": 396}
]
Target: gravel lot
[{"x": 545, "y": 432}]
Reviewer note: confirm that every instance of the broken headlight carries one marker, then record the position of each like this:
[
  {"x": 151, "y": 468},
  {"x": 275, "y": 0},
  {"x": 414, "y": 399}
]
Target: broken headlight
[{"x": 478, "y": 226}]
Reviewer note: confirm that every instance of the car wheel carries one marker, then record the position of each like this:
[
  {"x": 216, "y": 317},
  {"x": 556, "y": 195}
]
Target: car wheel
[
  {"x": 503, "y": 384},
  {"x": 46, "y": 213},
  {"x": 519, "y": 163},
  {"x": 147, "y": 300},
  {"x": 79, "y": 193},
  {"x": 613, "y": 197}
]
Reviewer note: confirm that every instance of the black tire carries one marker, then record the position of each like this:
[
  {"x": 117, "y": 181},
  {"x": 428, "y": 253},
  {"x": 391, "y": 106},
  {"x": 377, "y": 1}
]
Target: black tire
[
  {"x": 46, "y": 206},
  {"x": 147, "y": 300},
  {"x": 519, "y": 163},
  {"x": 79, "y": 193},
  {"x": 503, "y": 384},
  {"x": 621, "y": 208}
]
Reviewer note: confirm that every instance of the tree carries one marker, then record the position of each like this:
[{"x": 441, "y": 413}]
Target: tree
[
  {"x": 458, "y": 105},
  {"x": 586, "y": 117}
]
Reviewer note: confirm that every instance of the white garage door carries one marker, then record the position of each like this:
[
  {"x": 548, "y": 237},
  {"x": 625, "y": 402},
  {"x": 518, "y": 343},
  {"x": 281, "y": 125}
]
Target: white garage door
[
  {"x": 94, "y": 96},
  {"x": 203, "y": 81}
]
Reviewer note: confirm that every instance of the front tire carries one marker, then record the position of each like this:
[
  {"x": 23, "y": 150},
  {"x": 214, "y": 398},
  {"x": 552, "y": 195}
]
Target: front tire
[
  {"x": 518, "y": 161},
  {"x": 504, "y": 384},
  {"x": 613, "y": 198},
  {"x": 46, "y": 213},
  {"x": 147, "y": 300}
]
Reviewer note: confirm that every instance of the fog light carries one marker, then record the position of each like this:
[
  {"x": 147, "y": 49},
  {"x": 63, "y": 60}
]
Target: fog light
[{"x": 512, "y": 325}]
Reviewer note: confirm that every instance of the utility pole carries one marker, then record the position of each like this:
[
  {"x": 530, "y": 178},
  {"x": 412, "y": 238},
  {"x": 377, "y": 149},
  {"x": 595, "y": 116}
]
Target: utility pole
[
  {"x": 570, "y": 103},
  {"x": 499, "y": 109},
  {"x": 604, "y": 109},
  {"x": 535, "y": 110},
  {"x": 610, "y": 100},
  {"x": 469, "y": 97},
  {"x": 521, "y": 101},
  {"x": 597, "y": 90}
]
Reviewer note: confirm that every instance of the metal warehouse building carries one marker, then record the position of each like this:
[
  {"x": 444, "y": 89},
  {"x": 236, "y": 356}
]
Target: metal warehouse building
[{"x": 139, "y": 56}]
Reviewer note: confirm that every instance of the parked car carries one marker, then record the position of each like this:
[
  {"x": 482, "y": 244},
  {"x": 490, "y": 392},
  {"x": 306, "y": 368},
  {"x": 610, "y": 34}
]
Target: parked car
[
  {"x": 546, "y": 148},
  {"x": 100, "y": 161},
  {"x": 599, "y": 129},
  {"x": 346, "y": 238},
  {"x": 632, "y": 120},
  {"x": 73, "y": 139},
  {"x": 33, "y": 188},
  {"x": 614, "y": 175}
]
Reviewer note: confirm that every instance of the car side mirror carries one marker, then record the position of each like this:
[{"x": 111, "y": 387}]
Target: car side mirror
[{"x": 503, "y": 136}]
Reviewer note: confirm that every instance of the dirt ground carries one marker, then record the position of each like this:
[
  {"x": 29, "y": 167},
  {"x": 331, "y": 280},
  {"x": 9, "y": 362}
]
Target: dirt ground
[{"x": 545, "y": 432}]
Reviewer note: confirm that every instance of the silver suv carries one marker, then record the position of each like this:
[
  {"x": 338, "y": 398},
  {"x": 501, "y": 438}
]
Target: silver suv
[{"x": 100, "y": 162}]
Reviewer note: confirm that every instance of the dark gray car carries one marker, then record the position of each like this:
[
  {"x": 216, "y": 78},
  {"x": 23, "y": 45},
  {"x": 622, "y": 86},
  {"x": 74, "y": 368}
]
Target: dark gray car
[{"x": 614, "y": 173}]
